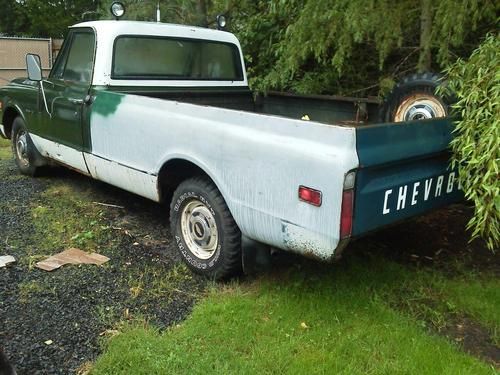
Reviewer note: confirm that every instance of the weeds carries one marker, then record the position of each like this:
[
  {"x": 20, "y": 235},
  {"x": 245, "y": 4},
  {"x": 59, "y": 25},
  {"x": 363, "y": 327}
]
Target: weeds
[
  {"x": 67, "y": 220},
  {"x": 28, "y": 289},
  {"x": 154, "y": 282}
]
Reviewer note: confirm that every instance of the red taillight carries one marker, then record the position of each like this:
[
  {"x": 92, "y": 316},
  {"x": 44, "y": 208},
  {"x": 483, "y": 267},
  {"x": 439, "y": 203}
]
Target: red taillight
[
  {"x": 346, "y": 214},
  {"x": 310, "y": 196}
]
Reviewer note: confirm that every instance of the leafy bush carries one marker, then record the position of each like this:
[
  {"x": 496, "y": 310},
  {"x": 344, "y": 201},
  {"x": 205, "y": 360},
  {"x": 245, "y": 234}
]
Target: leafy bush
[
  {"x": 346, "y": 47},
  {"x": 476, "y": 84}
]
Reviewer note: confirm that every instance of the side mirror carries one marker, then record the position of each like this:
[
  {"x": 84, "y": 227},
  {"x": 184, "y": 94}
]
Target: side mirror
[{"x": 34, "y": 67}]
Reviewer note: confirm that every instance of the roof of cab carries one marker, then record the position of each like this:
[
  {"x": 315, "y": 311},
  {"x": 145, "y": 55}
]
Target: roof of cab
[{"x": 157, "y": 29}]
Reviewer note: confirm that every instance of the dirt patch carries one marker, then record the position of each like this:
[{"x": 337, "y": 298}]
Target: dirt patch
[
  {"x": 472, "y": 338},
  {"x": 437, "y": 240},
  {"x": 429, "y": 307}
]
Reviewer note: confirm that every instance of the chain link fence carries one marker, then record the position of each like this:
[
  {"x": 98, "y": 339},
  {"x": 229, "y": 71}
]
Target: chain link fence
[{"x": 13, "y": 52}]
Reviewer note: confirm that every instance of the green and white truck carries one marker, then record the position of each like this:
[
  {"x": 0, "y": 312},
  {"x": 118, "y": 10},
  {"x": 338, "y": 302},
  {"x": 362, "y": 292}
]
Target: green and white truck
[{"x": 165, "y": 111}]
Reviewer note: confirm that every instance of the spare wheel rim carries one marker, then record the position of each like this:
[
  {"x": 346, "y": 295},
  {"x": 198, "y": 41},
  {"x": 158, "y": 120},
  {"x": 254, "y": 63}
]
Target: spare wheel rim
[{"x": 419, "y": 107}]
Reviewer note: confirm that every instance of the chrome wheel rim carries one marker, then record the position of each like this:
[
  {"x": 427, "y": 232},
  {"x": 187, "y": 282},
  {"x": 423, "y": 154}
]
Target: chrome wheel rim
[
  {"x": 419, "y": 107},
  {"x": 22, "y": 148},
  {"x": 199, "y": 229}
]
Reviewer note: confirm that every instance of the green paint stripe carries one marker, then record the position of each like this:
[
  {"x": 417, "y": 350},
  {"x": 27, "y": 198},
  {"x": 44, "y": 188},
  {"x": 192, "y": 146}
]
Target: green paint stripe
[{"x": 384, "y": 143}]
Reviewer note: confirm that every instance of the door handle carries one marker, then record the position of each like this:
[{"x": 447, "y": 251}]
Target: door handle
[
  {"x": 87, "y": 100},
  {"x": 76, "y": 101}
]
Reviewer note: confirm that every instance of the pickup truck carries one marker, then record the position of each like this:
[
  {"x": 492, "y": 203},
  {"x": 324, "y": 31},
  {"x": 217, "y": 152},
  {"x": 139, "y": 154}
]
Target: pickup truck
[{"x": 165, "y": 111}]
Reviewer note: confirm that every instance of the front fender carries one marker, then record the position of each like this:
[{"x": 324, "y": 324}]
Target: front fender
[{"x": 10, "y": 111}]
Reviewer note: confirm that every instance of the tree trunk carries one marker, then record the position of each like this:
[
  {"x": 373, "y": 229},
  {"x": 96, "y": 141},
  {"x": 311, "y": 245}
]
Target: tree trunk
[
  {"x": 201, "y": 12},
  {"x": 425, "y": 57}
]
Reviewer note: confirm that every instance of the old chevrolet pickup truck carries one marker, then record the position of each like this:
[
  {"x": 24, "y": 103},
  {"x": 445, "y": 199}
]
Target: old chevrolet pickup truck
[{"x": 165, "y": 111}]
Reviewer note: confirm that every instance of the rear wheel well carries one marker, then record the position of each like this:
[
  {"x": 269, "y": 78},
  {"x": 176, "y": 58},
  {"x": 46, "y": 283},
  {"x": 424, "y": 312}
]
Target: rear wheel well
[
  {"x": 173, "y": 173},
  {"x": 8, "y": 119}
]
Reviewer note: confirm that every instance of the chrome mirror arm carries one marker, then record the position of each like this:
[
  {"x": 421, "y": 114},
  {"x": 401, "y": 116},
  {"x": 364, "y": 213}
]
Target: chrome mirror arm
[{"x": 45, "y": 99}]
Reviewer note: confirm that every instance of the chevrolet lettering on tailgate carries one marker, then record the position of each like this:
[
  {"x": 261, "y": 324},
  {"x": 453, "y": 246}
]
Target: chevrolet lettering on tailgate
[{"x": 418, "y": 192}]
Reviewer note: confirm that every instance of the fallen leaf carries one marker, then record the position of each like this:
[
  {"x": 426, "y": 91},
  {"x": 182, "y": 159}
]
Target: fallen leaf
[
  {"x": 304, "y": 325},
  {"x": 71, "y": 256},
  {"x": 48, "y": 342}
]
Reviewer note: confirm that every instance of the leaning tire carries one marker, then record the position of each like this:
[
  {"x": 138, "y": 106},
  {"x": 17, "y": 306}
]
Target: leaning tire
[
  {"x": 26, "y": 156},
  {"x": 415, "y": 98},
  {"x": 205, "y": 233}
]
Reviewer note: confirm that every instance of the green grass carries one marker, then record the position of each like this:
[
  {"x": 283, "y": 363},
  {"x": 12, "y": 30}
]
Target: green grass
[
  {"x": 5, "y": 149},
  {"x": 319, "y": 319},
  {"x": 66, "y": 218}
]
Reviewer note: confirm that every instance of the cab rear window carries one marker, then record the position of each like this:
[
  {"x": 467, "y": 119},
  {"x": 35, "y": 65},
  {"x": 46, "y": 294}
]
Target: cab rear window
[{"x": 139, "y": 57}]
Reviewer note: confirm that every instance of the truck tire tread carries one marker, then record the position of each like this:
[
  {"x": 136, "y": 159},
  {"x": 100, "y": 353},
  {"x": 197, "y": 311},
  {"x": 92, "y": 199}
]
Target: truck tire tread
[{"x": 229, "y": 263}]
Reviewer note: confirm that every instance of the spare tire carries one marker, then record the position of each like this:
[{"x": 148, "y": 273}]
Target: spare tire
[{"x": 414, "y": 98}]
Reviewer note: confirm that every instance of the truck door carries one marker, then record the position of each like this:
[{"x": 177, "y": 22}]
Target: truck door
[{"x": 66, "y": 91}]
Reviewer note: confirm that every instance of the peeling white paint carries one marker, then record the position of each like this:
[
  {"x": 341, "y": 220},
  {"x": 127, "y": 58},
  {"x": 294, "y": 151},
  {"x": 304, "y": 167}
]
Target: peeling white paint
[
  {"x": 60, "y": 153},
  {"x": 257, "y": 161},
  {"x": 128, "y": 179}
]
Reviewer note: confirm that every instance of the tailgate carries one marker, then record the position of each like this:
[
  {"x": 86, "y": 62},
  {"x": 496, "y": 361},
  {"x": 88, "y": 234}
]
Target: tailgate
[{"x": 404, "y": 171}]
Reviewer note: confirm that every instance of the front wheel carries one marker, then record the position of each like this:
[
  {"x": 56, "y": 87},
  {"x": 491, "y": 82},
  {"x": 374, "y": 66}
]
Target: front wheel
[
  {"x": 206, "y": 235},
  {"x": 25, "y": 154}
]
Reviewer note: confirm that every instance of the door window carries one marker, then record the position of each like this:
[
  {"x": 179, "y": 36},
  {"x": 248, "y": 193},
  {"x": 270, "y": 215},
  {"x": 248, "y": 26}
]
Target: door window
[
  {"x": 80, "y": 58},
  {"x": 76, "y": 59},
  {"x": 58, "y": 68}
]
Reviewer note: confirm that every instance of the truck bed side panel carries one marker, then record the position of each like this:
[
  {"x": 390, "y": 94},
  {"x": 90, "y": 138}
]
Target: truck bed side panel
[{"x": 257, "y": 161}]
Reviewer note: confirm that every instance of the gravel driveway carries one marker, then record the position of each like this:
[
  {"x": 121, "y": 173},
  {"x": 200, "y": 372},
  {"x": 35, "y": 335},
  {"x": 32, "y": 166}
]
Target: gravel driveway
[{"x": 54, "y": 322}]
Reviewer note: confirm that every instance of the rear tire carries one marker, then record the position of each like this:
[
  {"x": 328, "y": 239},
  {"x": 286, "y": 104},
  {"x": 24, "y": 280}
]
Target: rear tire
[
  {"x": 414, "y": 98},
  {"x": 205, "y": 233},
  {"x": 26, "y": 156}
]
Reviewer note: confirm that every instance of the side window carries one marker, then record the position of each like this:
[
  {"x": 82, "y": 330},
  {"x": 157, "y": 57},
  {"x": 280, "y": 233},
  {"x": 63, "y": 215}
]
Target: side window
[
  {"x": 80, "y": 58},
  {"x": 58, "y": 68}
]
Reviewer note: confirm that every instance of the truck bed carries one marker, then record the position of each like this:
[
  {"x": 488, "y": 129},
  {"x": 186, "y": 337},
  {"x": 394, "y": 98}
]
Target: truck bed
[
  {"x": 326, "y": 109},
  {"x": 402, "y": 170}
]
